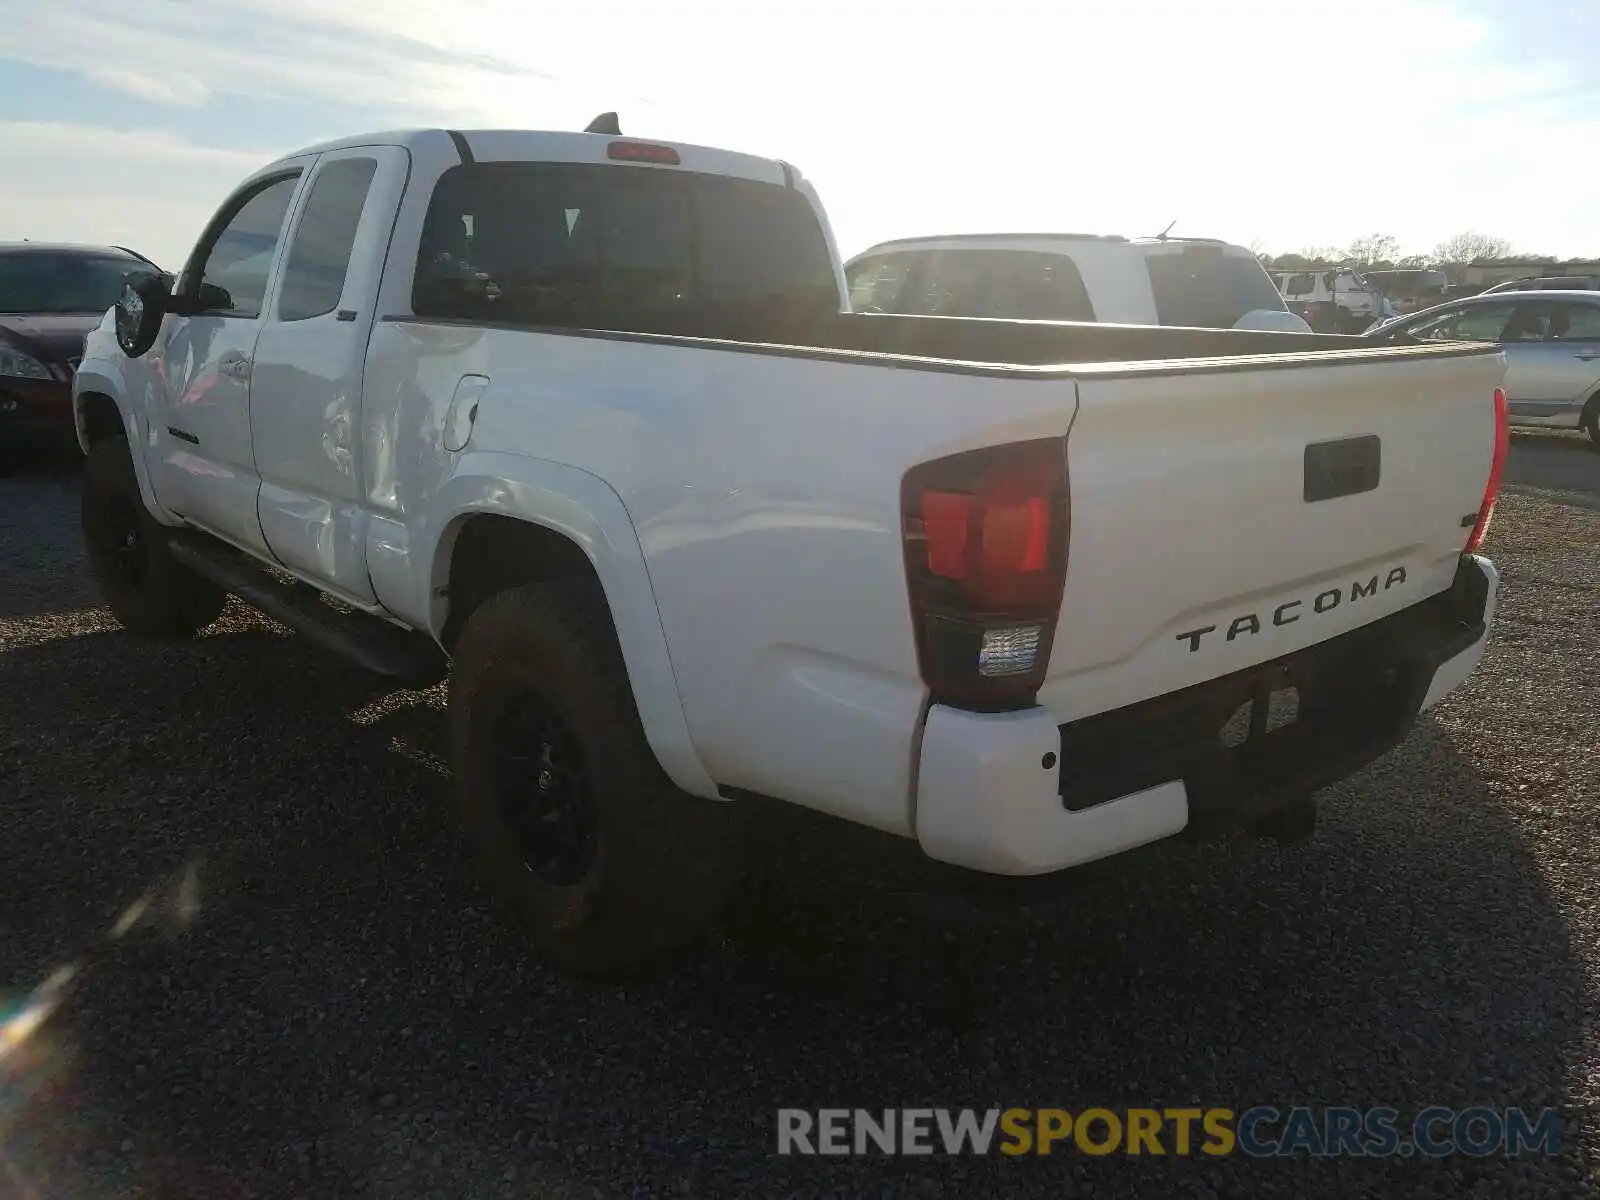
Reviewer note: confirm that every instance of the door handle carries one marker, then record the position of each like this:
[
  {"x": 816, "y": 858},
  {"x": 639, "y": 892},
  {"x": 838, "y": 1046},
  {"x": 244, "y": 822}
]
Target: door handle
[
  {"x": 1586, "y": 355},
  {"x": 235, "y": 366}
]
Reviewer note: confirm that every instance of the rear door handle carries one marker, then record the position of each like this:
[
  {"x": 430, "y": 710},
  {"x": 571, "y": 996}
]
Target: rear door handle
[
  {"x": 235, "y": 366},
  {"x": 1587, "y": 355}
]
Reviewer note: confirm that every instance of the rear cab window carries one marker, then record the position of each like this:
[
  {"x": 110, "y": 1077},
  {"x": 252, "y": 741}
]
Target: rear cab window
[
  {"x": 618, "y": 247},
  {"x": 1206, "y": 287}
]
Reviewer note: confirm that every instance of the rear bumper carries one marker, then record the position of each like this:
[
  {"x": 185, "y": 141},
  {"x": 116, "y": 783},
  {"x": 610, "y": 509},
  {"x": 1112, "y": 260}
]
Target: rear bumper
[{"x": 1020, "y": 794}]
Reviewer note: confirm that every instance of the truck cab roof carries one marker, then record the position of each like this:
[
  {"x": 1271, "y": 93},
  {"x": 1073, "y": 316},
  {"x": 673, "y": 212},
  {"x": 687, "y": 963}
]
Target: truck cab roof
[{"x": 430, "y": 146}]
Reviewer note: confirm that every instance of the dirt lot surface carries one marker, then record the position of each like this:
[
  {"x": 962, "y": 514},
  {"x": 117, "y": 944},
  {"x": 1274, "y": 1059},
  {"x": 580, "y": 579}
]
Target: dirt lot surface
[{"x": 313, "y": 1001}]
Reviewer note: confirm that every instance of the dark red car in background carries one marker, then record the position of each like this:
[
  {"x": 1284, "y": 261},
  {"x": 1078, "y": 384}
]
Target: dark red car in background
[{"x": 51, "y": 296}]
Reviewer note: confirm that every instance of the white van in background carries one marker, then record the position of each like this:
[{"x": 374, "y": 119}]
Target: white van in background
[
  {"x": 1337, "y": 301},
  {"x": 1195, "y": 282}
]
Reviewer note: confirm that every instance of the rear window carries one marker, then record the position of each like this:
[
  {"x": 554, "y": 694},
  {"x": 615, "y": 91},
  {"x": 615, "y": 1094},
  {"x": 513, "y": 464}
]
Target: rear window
[
  {"x": 1207, "y": 288},
  {"x": 1018, "y": 285},
  {"x": 575, "y": 245}
]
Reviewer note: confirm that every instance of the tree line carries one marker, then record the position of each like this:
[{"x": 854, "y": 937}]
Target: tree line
[{"x": 1381, "y": 251}]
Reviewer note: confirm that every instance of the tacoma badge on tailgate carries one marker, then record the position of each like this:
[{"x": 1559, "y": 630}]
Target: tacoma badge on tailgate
[{"x": 1291, "y": 611}]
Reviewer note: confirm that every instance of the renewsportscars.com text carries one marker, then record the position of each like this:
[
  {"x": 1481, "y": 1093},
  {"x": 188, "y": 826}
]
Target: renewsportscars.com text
[{"x": 1261, "y": 1131}]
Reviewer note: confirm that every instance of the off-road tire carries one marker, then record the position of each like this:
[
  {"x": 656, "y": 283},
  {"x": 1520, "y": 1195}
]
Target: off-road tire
[
  {"x": 149, "y": 592},
  {"x": 661, "y": 861}
]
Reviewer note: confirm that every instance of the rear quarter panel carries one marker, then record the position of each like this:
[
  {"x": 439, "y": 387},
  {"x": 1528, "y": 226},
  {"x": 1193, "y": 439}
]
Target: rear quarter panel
[{"x": 764, "y": 490}]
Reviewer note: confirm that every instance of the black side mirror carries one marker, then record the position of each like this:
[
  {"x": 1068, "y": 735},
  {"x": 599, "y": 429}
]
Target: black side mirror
[
  {"x": 140, "y": 309},
  {"x": 212, "y": 298},
  {"x": 207, "y": 297}
]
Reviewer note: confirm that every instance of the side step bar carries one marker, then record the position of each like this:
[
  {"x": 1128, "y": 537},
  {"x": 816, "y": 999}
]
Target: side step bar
[{"x": 365, "y": 640}]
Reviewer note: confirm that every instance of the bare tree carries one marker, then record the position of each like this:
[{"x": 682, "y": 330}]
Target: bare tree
[
  {"x": 1309, "y": 259},
  {"x": 1470, "y": 247},
  {"x": 1373, "y": 249}
]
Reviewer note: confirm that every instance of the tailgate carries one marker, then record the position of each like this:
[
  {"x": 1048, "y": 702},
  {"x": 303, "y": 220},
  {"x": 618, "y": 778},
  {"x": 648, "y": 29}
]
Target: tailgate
[{"x": 1225, "y": 514}]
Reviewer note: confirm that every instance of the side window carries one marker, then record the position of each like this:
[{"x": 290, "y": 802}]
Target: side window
[
  {"x": 875, "y": 283},
  {"x": 1436, "y": 328},
  {"x": 319, "y": 256},
  {"x": 950, "y": 285},
  {"x": 240, "y": 259},
  {"x": 1040, "y": 288},
  {"x": 1534, "y": 321},
  {"x": 1204, "y": 287},
  {"x": 1016, "y": 285},
  {"x": 1577, "y": 323},
  {"x": 1472, "y": 323}
]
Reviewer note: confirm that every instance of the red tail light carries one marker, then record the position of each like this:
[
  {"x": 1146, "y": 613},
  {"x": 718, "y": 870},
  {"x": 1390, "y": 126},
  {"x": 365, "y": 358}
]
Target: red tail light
[
  {"x": 985, "y": 537},
  {"x": 1497, "y": 467}
]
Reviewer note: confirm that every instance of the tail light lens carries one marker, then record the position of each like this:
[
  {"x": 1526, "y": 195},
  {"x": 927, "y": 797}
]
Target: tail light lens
[
  {"x": 985, "y": 536},
  {"x": 1497, "y": 467},
  {"x": 642, "y": 152}
]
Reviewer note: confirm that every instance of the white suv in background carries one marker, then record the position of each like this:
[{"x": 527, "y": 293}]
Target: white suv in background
[{"x": 1195, "y": 282}]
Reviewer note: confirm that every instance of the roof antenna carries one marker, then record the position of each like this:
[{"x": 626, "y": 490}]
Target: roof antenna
[
  {"x": 1162, "y": 236},
  {"x": 605, "y": 123}
]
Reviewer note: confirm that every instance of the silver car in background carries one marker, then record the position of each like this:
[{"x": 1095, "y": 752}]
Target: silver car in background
[
  {"x": 1552, "y": 346},
  {"x": 1547, "y": 283}
]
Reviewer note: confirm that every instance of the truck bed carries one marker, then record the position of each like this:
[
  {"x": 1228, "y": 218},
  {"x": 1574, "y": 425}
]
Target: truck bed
[
  {"x": 979, "y": 341},
  {"x": 985, "y": 346}
]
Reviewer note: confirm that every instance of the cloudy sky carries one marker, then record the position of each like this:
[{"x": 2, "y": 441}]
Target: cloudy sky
[{"x": 1282, "y": 123}]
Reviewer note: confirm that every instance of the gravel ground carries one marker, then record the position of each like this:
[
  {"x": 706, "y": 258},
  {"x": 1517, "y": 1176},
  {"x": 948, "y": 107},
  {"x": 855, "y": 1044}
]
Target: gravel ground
[{"x": 312, "y": 1001}]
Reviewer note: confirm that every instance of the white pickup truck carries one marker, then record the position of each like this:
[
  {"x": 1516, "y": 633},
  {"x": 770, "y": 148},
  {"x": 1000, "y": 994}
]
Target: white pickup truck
[{"x": 577, "y": 420}]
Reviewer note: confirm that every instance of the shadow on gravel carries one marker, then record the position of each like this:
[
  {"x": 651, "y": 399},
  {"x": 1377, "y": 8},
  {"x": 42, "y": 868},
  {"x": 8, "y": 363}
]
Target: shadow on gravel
[
  {"x": 336, "y": 1015},
  {"x": 41, "y": 575}
]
